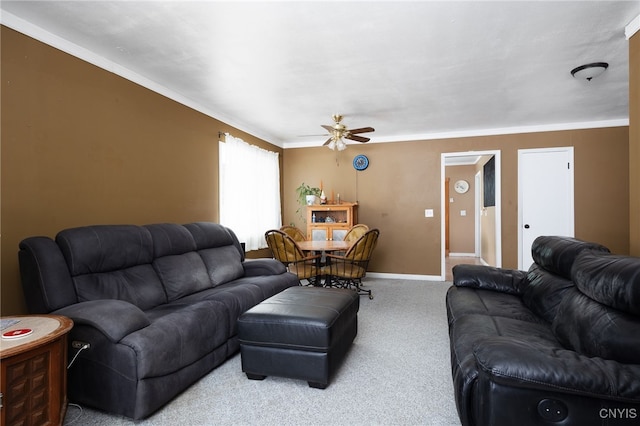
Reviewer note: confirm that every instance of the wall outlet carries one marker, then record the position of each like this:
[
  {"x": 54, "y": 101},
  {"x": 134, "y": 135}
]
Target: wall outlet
[
  {"x": 463, "y": 212},
  {"x": 76, "y": 344},
  {"x": 428, "y": 213}
]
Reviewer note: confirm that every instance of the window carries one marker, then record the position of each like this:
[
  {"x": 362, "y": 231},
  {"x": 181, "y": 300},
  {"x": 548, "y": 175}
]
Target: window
[{"x": 249, "y": 191}]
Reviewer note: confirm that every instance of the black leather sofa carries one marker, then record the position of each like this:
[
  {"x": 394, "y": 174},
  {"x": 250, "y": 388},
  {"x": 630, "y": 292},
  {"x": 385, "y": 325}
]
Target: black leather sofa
[
  {"x": 556, "y": 345},
  {"x": 158, "y": 305}
]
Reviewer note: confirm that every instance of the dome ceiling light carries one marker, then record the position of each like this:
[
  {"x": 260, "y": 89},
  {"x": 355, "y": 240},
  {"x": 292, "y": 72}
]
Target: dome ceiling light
[{"x": 589, "y": 71}]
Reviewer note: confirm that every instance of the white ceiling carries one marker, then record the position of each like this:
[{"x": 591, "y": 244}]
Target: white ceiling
[{"x": 410, "y": 69}]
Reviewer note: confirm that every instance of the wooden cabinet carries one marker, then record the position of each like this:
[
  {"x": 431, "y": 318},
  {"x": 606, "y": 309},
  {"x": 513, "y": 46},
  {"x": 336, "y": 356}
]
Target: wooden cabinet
[
  {"x": 34, "y": 371},
  {"x": 330, "y": 221}
]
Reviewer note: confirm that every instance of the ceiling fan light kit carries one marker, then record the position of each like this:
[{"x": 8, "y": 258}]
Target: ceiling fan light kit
[
  {"x": 589, "y": 71},
  {"x": 339, "y": 132}
]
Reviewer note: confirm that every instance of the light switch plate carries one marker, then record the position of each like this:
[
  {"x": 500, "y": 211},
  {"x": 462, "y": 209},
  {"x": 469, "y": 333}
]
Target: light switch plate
[{"x": 428, "y": 213}]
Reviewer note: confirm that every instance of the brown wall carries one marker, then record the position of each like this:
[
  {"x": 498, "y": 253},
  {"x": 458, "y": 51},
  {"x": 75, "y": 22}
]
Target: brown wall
[
  {"x": 403, "y": 179},
  {"x": 461, "y": 228},
  {"x": 634, "y": 142},
  {"x": 82, "y": 146}
]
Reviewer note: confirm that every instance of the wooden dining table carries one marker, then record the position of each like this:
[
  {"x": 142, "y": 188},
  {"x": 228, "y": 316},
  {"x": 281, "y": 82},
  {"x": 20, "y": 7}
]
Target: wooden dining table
[{"x": 324, "y": 245}]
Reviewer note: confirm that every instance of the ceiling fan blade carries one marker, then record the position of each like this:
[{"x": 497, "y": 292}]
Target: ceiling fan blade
[
  {"x": 362, "y": 130},
  {"x": 357, "y": 138},
  {"x": 327, "y": 142},
  {"x": 328, "y": 128}
]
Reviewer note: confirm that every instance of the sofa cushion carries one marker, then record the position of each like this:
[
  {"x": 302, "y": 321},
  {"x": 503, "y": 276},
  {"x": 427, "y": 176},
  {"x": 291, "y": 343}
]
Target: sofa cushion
[
  {"x": 557, "y": 254},
  {"x": 597, "y": 330},
  {"x": 609, "y": 279},
  {"x": 138, "y": 285},
  {"x": 469, "y": 332},
  {"x": 112, "y": 262},
  {"x": 105, "y": 248},
  {"x": 178, "y": 265},
  {"x": 182, "y": 274},
  {"x": 544, "y": 292},
  {"x": 461, "y": 301},
  {"x": 179, "y": 334},
  {"x": 489, "y": 278},
  {"x": 211, "y": 235},
  {"x": 217, "y": 247},
  {"x": 170, "y": 239},
  {"x": 223, "y": 264}
]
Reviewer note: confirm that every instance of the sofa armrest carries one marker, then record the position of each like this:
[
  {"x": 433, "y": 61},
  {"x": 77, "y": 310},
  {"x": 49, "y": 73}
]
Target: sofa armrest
[
  {"x": 113, "y": 318},
  {"x": 263, "y": 266},
  {"x": 510, "y": 281},
  {"x": 521, "y": 364}
]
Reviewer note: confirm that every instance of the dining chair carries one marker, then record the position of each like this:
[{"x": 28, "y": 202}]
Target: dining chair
[
  {"x": 355, "y": 232},
  {"x": 294, "y": 232},
  {"x": 348, "y": 270},
  {"x": 286, "y": 250}
]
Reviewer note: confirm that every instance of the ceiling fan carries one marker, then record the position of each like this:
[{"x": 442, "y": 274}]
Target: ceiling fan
[{"x": 338, "y": 132}]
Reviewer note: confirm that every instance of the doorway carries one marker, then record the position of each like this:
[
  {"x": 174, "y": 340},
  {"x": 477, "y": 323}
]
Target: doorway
[{"x": 458, "y": 158}]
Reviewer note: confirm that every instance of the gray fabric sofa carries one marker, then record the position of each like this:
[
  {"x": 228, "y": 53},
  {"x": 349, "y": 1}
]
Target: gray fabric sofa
[{"x": 158, "y": 305}]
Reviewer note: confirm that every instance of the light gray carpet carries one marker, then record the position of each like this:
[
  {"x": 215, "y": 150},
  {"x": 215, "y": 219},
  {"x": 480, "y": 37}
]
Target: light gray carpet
[{"x": 397, "y": 373}]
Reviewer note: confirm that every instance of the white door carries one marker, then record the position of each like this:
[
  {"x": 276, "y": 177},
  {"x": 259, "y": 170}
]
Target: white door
[{"x": 545, "y": 197}]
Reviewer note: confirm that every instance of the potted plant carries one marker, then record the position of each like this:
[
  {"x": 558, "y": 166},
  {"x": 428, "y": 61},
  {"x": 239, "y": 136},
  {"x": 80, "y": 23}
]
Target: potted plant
[{"x": 306, "y": 196}]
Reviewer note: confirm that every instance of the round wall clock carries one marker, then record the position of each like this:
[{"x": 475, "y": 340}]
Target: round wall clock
[
  {"x": 360, "y": 162},
  {"x": 461, "y": 186}
]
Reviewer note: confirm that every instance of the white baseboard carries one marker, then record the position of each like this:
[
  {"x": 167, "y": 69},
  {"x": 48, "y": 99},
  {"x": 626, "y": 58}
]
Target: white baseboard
[{"x": 404, "y": 276}]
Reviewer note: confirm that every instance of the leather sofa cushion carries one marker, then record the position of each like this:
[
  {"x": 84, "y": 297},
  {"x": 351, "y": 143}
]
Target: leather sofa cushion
[
  {"x": 557, "y": 254},
  {"x": 609, "y": 279},
  {"x": 545, "y": 369},
  {"x": 489, "y": 278},
  {"x": 544, "y": 292},
  {"x": 597, "y": 330},
  {"x": 463, "y": 301}
]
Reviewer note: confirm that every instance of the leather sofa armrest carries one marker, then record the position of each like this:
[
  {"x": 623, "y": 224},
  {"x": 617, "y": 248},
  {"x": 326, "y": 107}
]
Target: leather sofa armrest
[
  {"x": 522, "y": 364},
  {"x": 113, "y": 318},
  {"x": 263, "y": 266},
  {"x": 510, "y": 281}
]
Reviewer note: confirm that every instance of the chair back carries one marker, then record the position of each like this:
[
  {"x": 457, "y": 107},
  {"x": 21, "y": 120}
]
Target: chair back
[
  {"x": 349, "y": 270},
  {"x": 362, "y": 249},
  {"x": 283, "y": 247},
  {"x": 355, "y": 232},
  {"x": 294, "y": 232},
  {"x": 287, "y": 251}
]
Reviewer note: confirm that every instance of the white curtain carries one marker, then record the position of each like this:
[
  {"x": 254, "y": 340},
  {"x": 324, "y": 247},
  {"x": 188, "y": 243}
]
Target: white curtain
[{"x": 249, "y": 191}]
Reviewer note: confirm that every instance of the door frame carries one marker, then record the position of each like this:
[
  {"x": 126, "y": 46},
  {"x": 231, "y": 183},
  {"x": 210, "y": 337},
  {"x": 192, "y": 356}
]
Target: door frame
[
  {"x": 498, "y": 192},
  {"x": 478, "y": 211}
]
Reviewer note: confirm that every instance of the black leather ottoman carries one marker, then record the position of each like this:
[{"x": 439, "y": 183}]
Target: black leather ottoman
[{"x": 300, "y": 333}]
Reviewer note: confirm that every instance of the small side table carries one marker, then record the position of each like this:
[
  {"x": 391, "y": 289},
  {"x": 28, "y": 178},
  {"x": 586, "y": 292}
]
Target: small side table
[{"x": 33, "y": 373}]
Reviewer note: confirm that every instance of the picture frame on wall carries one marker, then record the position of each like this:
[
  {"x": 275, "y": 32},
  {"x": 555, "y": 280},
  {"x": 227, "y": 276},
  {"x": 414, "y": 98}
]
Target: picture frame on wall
[{"x": 489, "y": 177}]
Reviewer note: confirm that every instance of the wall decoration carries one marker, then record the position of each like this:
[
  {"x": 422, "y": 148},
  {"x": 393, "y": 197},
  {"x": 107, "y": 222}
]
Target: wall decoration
[
  {"x": 360, "y": 162},
  {"x": 489, "y": 177}
]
